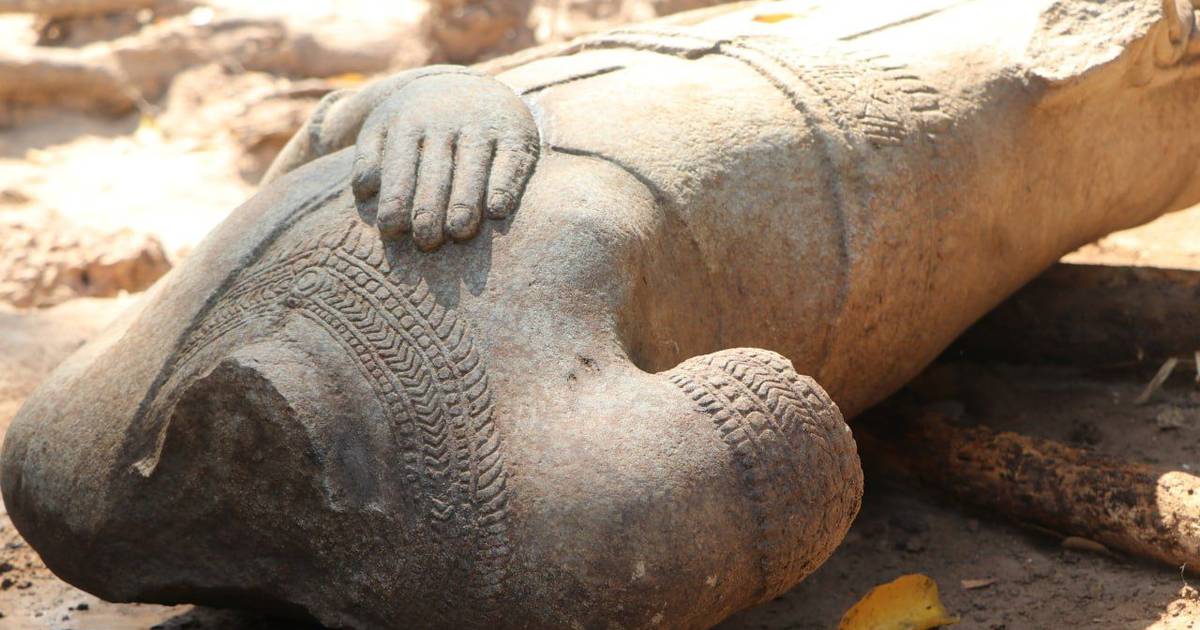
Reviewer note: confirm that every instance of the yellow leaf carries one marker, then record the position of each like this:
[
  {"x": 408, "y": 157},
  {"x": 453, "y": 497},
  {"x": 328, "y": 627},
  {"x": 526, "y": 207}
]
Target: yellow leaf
[
  {"x": 772, "y": 18},
  {"x": 349, "y": 79},
  {"x": 38, "y": 156},
  {"x": 910, "y": 602},
  {"x": 148, "y": 130}
]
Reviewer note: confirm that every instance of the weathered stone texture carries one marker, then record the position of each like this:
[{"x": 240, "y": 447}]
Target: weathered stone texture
[{"x": 540, "y": 426}]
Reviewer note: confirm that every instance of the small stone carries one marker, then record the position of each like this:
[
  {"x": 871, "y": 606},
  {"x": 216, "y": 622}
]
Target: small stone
[
  {"x": 1170, "y": 419},
  {"x": 13, "y": 196},
  {"x": 53, "y": 260},
  {"x": 971, "y": 585},
  {"x": 1076, "y": 543}
]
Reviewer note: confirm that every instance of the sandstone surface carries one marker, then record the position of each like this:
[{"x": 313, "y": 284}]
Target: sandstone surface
[{"x": 545, "y": 424}]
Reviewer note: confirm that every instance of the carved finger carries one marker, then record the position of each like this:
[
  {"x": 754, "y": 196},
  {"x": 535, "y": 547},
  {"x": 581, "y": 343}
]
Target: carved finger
[
  {"x": 364, "y": 179},
  {"x": 511, "y": 168},
  {"x": 401, "y": 157},
  {"x": 471, "y": 163},
  {"x": 433, "y": 191}
]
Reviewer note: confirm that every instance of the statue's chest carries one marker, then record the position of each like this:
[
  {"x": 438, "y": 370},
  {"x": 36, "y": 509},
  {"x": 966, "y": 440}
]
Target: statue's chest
[{"x": 868, "y": 99}]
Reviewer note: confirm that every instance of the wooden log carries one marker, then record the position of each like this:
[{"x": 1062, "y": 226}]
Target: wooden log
[
  {"x": 57, "y": 77},
  {"x": 1092, "y": 315},
  {"x": 120, "y": 75},
  {"x": 72, "y": 8},
  {"x": 1145, "y": 511}
]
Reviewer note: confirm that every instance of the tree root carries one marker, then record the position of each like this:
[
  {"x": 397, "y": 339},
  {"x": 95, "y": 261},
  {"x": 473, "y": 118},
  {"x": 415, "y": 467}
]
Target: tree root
[
  {"x": 51, "y": 77},
  {"x": 1144, "y": 511}
]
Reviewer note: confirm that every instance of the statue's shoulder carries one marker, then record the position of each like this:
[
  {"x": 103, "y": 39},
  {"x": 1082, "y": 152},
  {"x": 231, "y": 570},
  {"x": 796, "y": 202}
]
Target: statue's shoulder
[
  {"x": 1059, "y": 42},
  {"x": 1134, "y": 42}
]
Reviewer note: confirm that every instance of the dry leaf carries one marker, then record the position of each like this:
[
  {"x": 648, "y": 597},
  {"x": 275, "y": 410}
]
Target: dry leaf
[
  {"x": 974, "y": 584},
  {"x": 773, "y": 18},
  {"x": 348, "y": 79},
  {"x": 38, "y": 156},
  {"x": 148, "y": 130},
  {"x": 1170, "y": 419},
  {"x": 910, "y": 602}
]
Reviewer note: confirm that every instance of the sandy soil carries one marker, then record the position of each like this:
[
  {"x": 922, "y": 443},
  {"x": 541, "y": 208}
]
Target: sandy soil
[{"x": 1038, "y": 583}]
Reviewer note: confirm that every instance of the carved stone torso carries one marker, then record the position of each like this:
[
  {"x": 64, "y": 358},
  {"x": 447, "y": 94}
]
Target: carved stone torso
[{"x": 583, "y": 417}]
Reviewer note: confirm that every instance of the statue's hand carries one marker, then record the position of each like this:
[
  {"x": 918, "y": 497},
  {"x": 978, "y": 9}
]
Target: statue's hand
[{"x": 435, "y": 156}]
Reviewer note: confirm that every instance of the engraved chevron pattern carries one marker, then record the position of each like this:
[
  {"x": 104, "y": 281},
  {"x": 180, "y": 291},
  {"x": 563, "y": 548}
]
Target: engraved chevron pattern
[
  {"x": 422, "y": 364},
  {"x": 789, "y": 444},
  {"x": 865, "y": 96}
]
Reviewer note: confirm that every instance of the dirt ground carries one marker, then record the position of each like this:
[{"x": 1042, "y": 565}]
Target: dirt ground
[{"x": 167, "y": 175}]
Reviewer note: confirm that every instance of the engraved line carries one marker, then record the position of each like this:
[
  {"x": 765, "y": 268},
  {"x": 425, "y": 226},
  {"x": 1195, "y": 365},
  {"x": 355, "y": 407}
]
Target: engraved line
[
  {"x": 468, "y": 464},
  {"x": 425, "y": 364},
  {"x": 655, "y": 191},
  {"x": 827, "y": 165},
  {"x": 768, "y": 543},
  {"x": 579, "y": 77},
  {"x": 908, "y": 20}
]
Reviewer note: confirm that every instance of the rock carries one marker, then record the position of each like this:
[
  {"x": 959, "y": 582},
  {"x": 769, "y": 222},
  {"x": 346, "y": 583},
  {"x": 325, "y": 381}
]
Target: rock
[
  {"x": 13, "y": 196},
  {"x": 265, "y": 129},
  {"x": 555, "y": 21},
  {"x": 467, "y": 30},
  {"x": 46, "y": 261},
  {"x": 1170, "y": 419},
  {"x": 257, "y": 110},
  {"x": 567, "y": 419}
]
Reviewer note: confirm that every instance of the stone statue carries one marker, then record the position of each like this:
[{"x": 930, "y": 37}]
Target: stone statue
[{"x": 538, "y": 425}]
